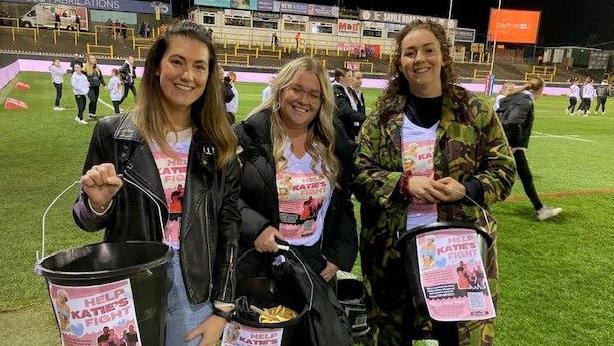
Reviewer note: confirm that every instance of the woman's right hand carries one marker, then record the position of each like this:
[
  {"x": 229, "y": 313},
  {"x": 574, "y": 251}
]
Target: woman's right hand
[
  {"x": 266, "y": 241},
  {"x": 101, "y": 184}
]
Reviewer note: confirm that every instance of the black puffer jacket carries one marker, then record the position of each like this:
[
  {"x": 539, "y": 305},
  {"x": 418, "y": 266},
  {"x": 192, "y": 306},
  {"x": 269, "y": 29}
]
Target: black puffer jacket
[
  {"x": 516, "y": 114},
  {"x": 351, "y": 119},
  {"x": 210, "y": 219},
  {"x": 259, "y": 203}
]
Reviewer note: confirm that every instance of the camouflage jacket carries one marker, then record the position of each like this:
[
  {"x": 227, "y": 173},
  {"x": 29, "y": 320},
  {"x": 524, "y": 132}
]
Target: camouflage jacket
[{"x": 476, "y": 148}]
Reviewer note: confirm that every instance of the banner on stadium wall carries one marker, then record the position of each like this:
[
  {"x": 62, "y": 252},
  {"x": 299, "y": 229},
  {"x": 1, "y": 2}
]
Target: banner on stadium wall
[
  {"x": 309, "y": 9},
  {"x": 123, "y": 17},
  {"x": 401, "y": 18},
  {"x": 361, "y": 49},
  {"x": 268, "y": 5},
  {"x": 464, "y": 35},
  {"x": 347, "y": 27},
  {"x": 513, "y": 26},
  {"x": 237, "y": 13},
  {"x": 109, "y": 5},
  {"x": 295, "y": 18}
]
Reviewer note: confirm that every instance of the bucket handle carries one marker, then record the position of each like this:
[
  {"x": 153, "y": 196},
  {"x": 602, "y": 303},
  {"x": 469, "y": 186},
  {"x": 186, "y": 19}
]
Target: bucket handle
[
  {"x": 287, "y": 248},
  {"x": 42, "y": 253}
]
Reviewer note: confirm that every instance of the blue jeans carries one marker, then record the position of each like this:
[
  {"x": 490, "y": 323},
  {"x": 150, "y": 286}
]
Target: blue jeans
[{"x": 181, "y": 316}]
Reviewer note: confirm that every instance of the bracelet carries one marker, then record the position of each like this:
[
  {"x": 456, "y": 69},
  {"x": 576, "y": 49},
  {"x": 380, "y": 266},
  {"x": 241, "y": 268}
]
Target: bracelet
[
  {"x": 404, "y": 186},
  {"x": 227, "y": 315},
  {"x": 89, "y": 203}
]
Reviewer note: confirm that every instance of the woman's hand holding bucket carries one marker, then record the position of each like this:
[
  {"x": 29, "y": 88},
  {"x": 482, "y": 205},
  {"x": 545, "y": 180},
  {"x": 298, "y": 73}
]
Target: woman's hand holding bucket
[
  {"x": 101, "y": 184},
  {"x": 266, "y": 241}
]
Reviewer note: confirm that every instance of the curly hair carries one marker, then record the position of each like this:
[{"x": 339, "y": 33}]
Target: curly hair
[{"x": 393, "y": 99}]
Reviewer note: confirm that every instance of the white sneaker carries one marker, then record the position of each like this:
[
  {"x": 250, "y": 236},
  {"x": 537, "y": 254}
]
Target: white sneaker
[
  {"x": 546, "y": 213},
  {"x": 92, "y": 116},
  {"x": 78, "y": 120},
  {"x": 57, "y": 108},
  {"x": 61, "y": 109},
  {"x": 83, "y": 122},
  {"x": 566, "y": 110}
]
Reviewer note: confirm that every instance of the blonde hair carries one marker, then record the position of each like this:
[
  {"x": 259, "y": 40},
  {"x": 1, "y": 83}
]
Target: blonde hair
[
  {"x": 535, "y": 84},
  {"x": 149, "y": 114},
  {"x": 321, "y": 137},
  {"x": 89, "y": 68}
]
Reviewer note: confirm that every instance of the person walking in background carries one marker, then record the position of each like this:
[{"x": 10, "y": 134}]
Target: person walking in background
[
  {"x": 124, "y": 30},
  {"x": 347, "y": 110},
  {"x": 109, "y": 26},
  {"x": 128, "y": 75},
  {"x": 517, "y": 115},
  {"x": 227, "y": 94},
  {"x": 177, "y": 134},
  {"x": 232, "y": 107},
  {"x": 297, "y": 38},
  {"x": 428, "y": 146},
  {"x": 274, "y": 41},
  {"x": 588, "y": 92},
  {"x": 574, "y": 95},
  {"x": 115, "y": 90},
  {"x": 357, "y": 87},
  {"x": 602, "y": 91},
  {"x": 57, "y": 77},
  {"x": 94, "y": 76},
  {"x": 80, "y": 87}
]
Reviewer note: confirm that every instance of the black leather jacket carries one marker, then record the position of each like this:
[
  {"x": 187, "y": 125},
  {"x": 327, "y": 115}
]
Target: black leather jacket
[
  {"x": 259, "y": 203},
  {"x": 210, "y": 220}
]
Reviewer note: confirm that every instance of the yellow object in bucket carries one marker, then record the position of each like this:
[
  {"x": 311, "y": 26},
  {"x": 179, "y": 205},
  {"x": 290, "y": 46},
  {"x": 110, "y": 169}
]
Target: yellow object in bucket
[{"x": 277, "y": 314}]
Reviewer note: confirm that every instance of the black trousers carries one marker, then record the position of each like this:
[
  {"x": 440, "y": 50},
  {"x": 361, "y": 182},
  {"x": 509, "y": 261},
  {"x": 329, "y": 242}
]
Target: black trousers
[
  {"x": 80, "y": 105},
  {"x": 524, "y": 172},
  {"x": 601, "y": 102},
  {"x": 93, "y": 96},
  {"x": 585, "y": 105},
  {"x": 58, "y": 93},
  {"x": 116, "y": 106},
  {"x": 126, "y": 88},
  {"x": 572, "y": 104}
]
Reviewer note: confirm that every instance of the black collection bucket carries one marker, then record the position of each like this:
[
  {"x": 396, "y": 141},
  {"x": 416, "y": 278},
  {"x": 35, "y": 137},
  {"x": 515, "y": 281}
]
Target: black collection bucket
[
  {"x": 351, "y": 296},
  {"x": 266, "y": 293},
  {"x": 109, "y": 290},
  {"x": 473, "y": 242},
  {"x": 263, "y": 291}
]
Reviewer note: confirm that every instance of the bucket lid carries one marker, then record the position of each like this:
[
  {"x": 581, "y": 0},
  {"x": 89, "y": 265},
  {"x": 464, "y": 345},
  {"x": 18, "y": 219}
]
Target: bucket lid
[
  {"x": 104, "y": 260},
  {"x": 413, "y": 232}
]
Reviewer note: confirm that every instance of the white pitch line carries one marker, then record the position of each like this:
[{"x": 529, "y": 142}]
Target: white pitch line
[
  {"x": 106, "y": 104},
  {"x": 547, "y": 135}
]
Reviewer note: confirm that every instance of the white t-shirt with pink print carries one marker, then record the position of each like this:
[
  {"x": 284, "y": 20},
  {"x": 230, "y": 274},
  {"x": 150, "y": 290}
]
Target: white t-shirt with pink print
[
  {"x": 304, "y": 197},
  {"x": 173, "y": 172},
  {"x": 418, "y": 152}
]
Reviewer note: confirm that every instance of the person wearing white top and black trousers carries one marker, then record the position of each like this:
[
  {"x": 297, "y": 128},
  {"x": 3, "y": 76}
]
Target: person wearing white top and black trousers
[
  {"x": 588, "y": 92},
  {"x": 574, "y": 95},
  {"x": 57, "y": 77},
  {"x": 80, "y": 87}
]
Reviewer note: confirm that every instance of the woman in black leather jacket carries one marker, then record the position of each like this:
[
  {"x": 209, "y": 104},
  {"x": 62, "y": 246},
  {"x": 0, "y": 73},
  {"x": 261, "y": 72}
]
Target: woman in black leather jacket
[
  {"x": 180, "y": 181},
  {"x": 296, "y": 167}
]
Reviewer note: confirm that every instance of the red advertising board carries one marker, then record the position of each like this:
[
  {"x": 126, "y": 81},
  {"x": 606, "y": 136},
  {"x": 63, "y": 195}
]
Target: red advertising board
[{"x": 513, "y": 26}]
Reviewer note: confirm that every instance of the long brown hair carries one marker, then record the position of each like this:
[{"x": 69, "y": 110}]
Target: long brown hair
[
  {"x": 208, "y": 112},
  {"x": 321, "y": 138},
  {"x": 388, "y": 102}
]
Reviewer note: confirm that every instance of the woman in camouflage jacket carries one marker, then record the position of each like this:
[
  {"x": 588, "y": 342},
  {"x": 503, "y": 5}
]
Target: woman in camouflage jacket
[{"x": 470, "y": 157}]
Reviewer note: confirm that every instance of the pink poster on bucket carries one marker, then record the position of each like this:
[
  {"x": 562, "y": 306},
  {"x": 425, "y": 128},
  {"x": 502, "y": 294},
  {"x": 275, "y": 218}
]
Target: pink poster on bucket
[
  {"x": 452, "y": 275},
  {"x": 96, "y": 315},
  {"x": 236, "y": 334}
]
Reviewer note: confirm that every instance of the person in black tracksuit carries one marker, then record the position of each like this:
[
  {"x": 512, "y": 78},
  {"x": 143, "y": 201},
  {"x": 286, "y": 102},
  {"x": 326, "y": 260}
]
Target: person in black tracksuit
[
  {"x": 349, "y": 109},
  {"x": 517, "y": 114},
  {"x": 128, "y": 76},
  {"x": 602, "y": 92},
  {"x": 94, "y": 76}
]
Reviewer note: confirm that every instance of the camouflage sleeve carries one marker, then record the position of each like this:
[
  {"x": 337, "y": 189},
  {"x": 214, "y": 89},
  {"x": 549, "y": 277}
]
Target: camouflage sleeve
[
  {"x": 497, "y": 169},
  {"x": 374, "y": 184}
]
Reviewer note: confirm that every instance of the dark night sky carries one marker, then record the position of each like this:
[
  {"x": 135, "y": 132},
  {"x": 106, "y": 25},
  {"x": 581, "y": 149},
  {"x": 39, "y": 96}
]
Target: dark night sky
[{"x": 563, "y": 22}]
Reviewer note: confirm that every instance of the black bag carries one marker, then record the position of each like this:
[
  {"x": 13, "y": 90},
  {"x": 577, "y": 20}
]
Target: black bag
[{"x": 325, "y": 322}]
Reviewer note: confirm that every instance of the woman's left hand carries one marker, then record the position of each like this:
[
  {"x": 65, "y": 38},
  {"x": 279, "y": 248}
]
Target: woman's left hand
[
  {"x": 453, "y": 190},
  {"x": 211, "y": 330},
  {"x": 330, "y": 271}
]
